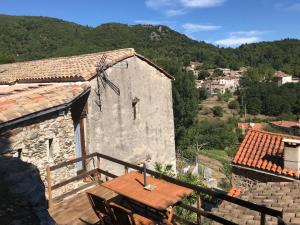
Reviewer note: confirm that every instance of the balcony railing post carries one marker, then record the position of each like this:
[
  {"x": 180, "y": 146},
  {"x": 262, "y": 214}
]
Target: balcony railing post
[
  {"x": 48, "y": 172},
  {"x": 263, "y": 217},
  {"x": 198, "y": 207},
  {"x": 98, "y": 167}
]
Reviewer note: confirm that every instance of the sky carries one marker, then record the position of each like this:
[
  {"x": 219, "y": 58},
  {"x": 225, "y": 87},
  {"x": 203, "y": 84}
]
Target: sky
[{"x": 227, "y": 23}]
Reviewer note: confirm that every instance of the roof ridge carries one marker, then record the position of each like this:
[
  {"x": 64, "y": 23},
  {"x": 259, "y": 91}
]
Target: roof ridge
[
  {"x": 273, "y": 133},
  {"x": 73, "y": 56}
]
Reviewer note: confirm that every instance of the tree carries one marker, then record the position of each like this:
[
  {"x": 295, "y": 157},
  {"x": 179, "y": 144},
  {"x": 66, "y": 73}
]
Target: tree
[
  {"x": 217, "y": 111},
  {"x": 203, "y": 74},
  {"x": 234, "y": 104},
  {"x": 202, "y": 93},
  {"x": 185, "y": 102},
  {"x": 217, "y": 73},
  {"x": 254, "y": 106}
]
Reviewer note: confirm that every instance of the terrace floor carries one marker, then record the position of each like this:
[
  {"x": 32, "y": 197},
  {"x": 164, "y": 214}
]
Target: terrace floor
[{"x": 77, "y": 210}]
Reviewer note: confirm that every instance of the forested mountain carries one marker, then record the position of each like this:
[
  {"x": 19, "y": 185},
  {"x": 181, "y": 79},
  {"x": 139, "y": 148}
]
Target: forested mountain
[{"x": 27, "y": 38}]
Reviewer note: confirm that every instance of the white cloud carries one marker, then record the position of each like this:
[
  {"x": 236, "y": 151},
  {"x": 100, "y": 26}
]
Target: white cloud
[
  {"x": 175, "y": 12},
  {"x": 158, "y": 4},
  {"x": 180, "y": 7},
  {"x": 193, "y": 28},
  {"x": 201, "y": 3},
  {"x": 236, "y": 41},
  {"x": 248, "y": 33},
  {"x": 237, "y": 38},
  {"x": 152, "y": 22}
]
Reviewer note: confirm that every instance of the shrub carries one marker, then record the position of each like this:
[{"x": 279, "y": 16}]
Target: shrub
[
  {"x": 217, "y": 111},
  {"x": 234, "y": 105}
]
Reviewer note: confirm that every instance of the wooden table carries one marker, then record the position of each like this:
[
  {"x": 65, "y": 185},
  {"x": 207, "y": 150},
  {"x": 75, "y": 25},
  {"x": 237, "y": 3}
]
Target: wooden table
[{"x": 164, "y": 195}]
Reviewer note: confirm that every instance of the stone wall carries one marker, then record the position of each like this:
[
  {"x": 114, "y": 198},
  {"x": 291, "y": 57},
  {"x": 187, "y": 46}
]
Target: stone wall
[
  {"x": 112, "y": 128},
  {"x": 33, "y": 137},
  {"x": 245, "y": 179}
]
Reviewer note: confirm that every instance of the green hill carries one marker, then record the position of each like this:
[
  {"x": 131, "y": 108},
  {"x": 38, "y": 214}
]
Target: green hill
[{"x": 28, "y": 38}]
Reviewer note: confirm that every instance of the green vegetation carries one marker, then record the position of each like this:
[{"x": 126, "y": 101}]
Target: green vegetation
[
  {"x": 27, "y": 38},
  {"x": 269, "y": 99},
  {"x": 210, "y": 134},
  {"x": 234, "y": 104},
  {"x": 217, "y": 111},
  {"x": 202, "y": 93},
  {"x": 217, "y": 154},
  {"x": 203, "y": 74},
  {"x": 217, "y": 73},
  {"x": 226, "y": 96}
]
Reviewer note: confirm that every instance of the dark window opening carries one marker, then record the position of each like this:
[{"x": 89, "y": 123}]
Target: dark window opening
[
  {"x": 134, "y": 103},
  {"x": 50, "y": 149}
]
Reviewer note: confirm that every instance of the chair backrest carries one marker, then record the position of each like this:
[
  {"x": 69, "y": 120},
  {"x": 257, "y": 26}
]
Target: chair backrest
[
  {"x": 99, "y": 205},
  {"x": 122, "y": 215}
]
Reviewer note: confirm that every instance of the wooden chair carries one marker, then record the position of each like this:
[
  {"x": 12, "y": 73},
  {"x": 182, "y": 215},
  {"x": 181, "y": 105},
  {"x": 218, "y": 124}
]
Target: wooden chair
[
  {"x": 102, "y": 209},
  {"x": 125, "y": 216}
]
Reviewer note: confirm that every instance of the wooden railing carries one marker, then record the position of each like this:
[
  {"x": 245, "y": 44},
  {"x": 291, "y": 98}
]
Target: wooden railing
[{"x": 97, "y": 171}]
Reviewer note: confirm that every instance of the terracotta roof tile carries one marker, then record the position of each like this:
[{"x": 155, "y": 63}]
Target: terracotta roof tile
[
  {"x": 282, "y": 196},
  {"x": 29, "y": 101},
  {"x": 73, "y": 68},
  {"x": 263, "y": 150},
  {"x": 286, "y": 124}
]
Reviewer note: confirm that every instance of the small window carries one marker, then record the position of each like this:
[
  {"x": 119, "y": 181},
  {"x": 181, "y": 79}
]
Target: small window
[
  {"x": 134, "y": 105},
  {"x": 50, "y": 150}
]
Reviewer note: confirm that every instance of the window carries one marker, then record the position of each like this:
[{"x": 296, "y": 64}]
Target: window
[
  {"x": 134, "y": 103},
  {"x": 50, "y": 150}
]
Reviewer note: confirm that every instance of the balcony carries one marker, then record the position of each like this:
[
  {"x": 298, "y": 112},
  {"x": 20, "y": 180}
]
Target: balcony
[{"x": 73, "y": 206}]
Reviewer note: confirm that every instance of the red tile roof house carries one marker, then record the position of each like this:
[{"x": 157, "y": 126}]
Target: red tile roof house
[
  {"x": 117, "y": 103},
  {"x": 266, "y": 157},
  {"x": 291, "y": 127}
]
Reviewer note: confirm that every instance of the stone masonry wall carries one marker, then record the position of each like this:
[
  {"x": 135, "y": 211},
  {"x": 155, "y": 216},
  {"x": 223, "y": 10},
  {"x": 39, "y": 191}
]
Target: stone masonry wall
[
  {"x": 113, "y": 130},
  {"x": 33, "y": 136},
  {"x": 246, "y": 179}
]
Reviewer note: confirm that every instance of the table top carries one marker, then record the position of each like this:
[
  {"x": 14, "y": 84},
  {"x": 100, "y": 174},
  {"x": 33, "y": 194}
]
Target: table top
[{"x": 131, "y": 185}]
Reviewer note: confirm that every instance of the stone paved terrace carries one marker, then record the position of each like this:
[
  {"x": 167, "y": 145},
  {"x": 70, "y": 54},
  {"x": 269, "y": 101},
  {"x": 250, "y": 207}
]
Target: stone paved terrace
[{"x": 283, "y": 196}]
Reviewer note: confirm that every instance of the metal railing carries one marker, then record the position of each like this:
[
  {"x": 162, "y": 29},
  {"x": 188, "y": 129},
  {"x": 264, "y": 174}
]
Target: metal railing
[{"x": 262, "y": 209}]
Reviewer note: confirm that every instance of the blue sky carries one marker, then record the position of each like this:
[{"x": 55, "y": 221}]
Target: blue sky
[{"x": 220, "y": 22}]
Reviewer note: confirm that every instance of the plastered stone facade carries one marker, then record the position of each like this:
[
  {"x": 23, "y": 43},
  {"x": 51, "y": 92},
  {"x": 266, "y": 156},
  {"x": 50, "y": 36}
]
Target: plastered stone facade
[
  {"x": 112, "y": 128},
  {"x": 33, "y": 137}
]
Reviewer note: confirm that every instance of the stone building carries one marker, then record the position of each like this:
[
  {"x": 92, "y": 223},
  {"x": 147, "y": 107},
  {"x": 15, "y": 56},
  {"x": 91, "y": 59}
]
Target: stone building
[
  {"x": 217, "y": 85},
  {"x": 127, "y": 113},
  {"x": 37, "y": 124},
  {"x": 266, "y": 157}
]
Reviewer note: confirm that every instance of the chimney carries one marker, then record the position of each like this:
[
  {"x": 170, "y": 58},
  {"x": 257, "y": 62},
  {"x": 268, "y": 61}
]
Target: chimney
[{"x": 291, "y": 154}]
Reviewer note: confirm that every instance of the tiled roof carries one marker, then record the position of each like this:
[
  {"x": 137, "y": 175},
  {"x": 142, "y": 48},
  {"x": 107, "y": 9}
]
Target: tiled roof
[
  {"x": 74, "y": 68},
  {"x": 29, "y": 101},
  {"x": 286, "y": 124},
  {"x": 264, "y": 151},
  {"x": 234, "y": 192},
  {"x": 282, "y": 196},
  {"x": 279, "y": 73}
]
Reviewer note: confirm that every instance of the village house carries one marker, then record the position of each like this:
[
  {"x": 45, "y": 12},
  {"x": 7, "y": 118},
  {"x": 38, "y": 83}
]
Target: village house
[
  {"x": 282, "y": 78},
  {"x": 117, "y": 103},
  {"x": 217, "y": 85},
  {"x": 266, "y": 157},
  {"x": 291, "y": 127}
]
